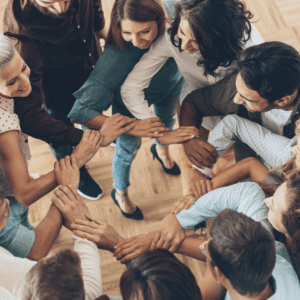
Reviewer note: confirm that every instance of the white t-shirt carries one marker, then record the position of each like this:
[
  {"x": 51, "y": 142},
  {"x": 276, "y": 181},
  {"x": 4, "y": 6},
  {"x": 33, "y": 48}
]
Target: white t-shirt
[
  {"x": 14, "y": 269},
  {"x": 275, "y": 120}
]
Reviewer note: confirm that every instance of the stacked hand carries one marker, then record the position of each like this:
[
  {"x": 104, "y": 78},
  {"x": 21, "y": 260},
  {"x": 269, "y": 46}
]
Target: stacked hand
[
  {"x": 70, "y": 204},
  {"x": 199, "y": 183},
  {"x": 88, "y": 146},
  {"x": 151, "y": 127},
  {"x": 102, "y": 234},
  {"x": 169, "y": 235},
  {"x": 183, "y": 203},
  {"x": 114, "y": 126},
  {"x": 179, "y": 135},
  {"x": 131, "y": 248},
  {"x": 67, "y": 172},
  {"x": 200, "y": 153}
]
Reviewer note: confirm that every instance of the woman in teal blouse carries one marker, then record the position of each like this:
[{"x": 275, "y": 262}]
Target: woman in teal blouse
[{"x": 135, "y": 25}]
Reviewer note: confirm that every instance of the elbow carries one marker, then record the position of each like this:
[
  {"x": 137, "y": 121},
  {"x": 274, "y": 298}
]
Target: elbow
[
  {"x": 37, "y": 255},
  {"x": 124, "y": 92},
  {"x": 23, "y": 199}
]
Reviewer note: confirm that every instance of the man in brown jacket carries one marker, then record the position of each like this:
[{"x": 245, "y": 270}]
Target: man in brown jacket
[{"x": 59, "y": 40}]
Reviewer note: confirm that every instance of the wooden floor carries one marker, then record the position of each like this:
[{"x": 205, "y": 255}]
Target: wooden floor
[{"x": 152, "y": 190}]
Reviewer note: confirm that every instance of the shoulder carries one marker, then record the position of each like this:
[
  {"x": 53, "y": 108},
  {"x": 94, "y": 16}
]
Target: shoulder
[
  {"x": 251, "y": 192},
  {"x": 16, "y": 238},
  {"x": 255, "y": 38},
  {"x": 114, "y": 65},
  {"x": 8, "y": 120},
  {"x": 162, "y": 44},
  {"x": 287, "y": 285}
]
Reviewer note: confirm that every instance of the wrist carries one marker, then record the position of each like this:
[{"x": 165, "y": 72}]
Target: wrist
[
  {"x": 79, "y": 159},
  {"x": 117, "y": 241}
]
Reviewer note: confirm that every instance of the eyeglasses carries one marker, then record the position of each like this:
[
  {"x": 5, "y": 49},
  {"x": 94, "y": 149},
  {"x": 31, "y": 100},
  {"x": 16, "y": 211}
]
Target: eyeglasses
[
  {"x": 7, "y": 212},
  {"x": 202, "y": 250}
]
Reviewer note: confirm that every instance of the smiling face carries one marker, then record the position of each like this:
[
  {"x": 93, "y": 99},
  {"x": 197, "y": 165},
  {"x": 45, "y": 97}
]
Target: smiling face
[
  {"x": 14, "y": 78},
  {"x": 277, "y": 205},
  {"x": 56, "y": 7},
  {"x": 188, "y": 40},
  {"x": 140, "y": 34},
  {"x": 250, "y": 98}
]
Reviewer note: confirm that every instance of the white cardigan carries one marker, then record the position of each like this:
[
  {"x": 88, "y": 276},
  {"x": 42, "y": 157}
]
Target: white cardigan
[{"x": 160, "y": 51}]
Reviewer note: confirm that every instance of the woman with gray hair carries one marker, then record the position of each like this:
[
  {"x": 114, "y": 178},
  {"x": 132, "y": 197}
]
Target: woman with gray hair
[{"x": 17, "y": 235}]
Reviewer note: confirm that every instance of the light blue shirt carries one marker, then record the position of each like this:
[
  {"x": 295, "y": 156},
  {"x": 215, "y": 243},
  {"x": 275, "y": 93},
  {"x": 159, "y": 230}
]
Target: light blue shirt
[
  {"x": 245, "y": 197},
  {"x": 17, "y": 238},
  {"x": 284, "y": 277}
]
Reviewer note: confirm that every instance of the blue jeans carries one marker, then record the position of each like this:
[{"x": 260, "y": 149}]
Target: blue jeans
[
  {"x": 128, "y": 145},
  {"x": 61, "y": 115}
]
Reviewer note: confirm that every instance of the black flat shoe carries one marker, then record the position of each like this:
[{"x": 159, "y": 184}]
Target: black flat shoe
[
  {"x": 88, "y": 187},
  {"x": 137, "y": 215},
  {"x": 174, "y": 171}
]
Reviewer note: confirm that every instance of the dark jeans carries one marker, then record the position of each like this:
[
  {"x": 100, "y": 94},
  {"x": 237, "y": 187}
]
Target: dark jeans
[{"x": 61, "y": 115}]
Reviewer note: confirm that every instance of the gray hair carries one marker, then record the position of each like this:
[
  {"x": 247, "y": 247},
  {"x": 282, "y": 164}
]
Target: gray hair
[{"x": 7, "y": 51}]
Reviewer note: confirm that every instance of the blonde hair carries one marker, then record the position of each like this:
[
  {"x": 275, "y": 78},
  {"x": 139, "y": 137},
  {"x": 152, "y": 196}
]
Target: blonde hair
[{"x": 7, "y": 51}]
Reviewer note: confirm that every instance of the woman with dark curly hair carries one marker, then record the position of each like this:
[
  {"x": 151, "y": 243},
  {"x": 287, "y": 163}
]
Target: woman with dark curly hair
[{"x": 204, "y": 38}]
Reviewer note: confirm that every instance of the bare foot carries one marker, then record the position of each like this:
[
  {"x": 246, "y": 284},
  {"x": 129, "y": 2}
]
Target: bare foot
[
  {"x": 124, "y": 202},
  {"x": 164, "y": 155}
]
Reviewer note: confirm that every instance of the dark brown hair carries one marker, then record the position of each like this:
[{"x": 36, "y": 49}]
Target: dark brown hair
[
  {"x": 159, "y": 275},
  {"x": 243, "y": 250},
  {"x": 57, "y": 278},
  {"x": 221, "y": 29},
  {"x": 291, "y": 217},
  {"x": 271, "y": 69},
  {"x": 134, "y": 10}
]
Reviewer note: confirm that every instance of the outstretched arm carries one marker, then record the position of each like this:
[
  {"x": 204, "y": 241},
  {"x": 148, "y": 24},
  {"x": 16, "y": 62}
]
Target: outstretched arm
[
  {"x": 132, "y": 90},
  {"x": 200, "y": 185},
  {"x": 46, "y": 233},
  {"x": 26, "y": 189}
]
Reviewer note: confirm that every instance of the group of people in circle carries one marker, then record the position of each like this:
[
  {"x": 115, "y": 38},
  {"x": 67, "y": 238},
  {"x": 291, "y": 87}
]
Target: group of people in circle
[{"x": 200, "y": 60}]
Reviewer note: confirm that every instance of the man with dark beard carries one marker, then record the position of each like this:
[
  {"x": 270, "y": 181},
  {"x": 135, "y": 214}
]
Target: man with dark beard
[{"x": 59, "y": 40}]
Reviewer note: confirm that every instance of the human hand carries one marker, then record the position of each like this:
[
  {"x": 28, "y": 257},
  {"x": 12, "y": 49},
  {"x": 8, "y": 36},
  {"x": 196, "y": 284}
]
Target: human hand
[
  {"x": 133, "y": 247},
  {"x": 114, "y": 126},
  {"x": 183, "y": 203},
  {"x": 102, "y": 234},
  {"x": 199, "y": 183},
  {"x": 70, "y": 204},
  {"x": 151, "y": 127},
  {"x": 88, "y": 146},
  {"x": 169, "y": 235},
  {"x": 179, "y": 135},
  {"x": 200, "y": 153},
  {"x": 67, "y": 172}
]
